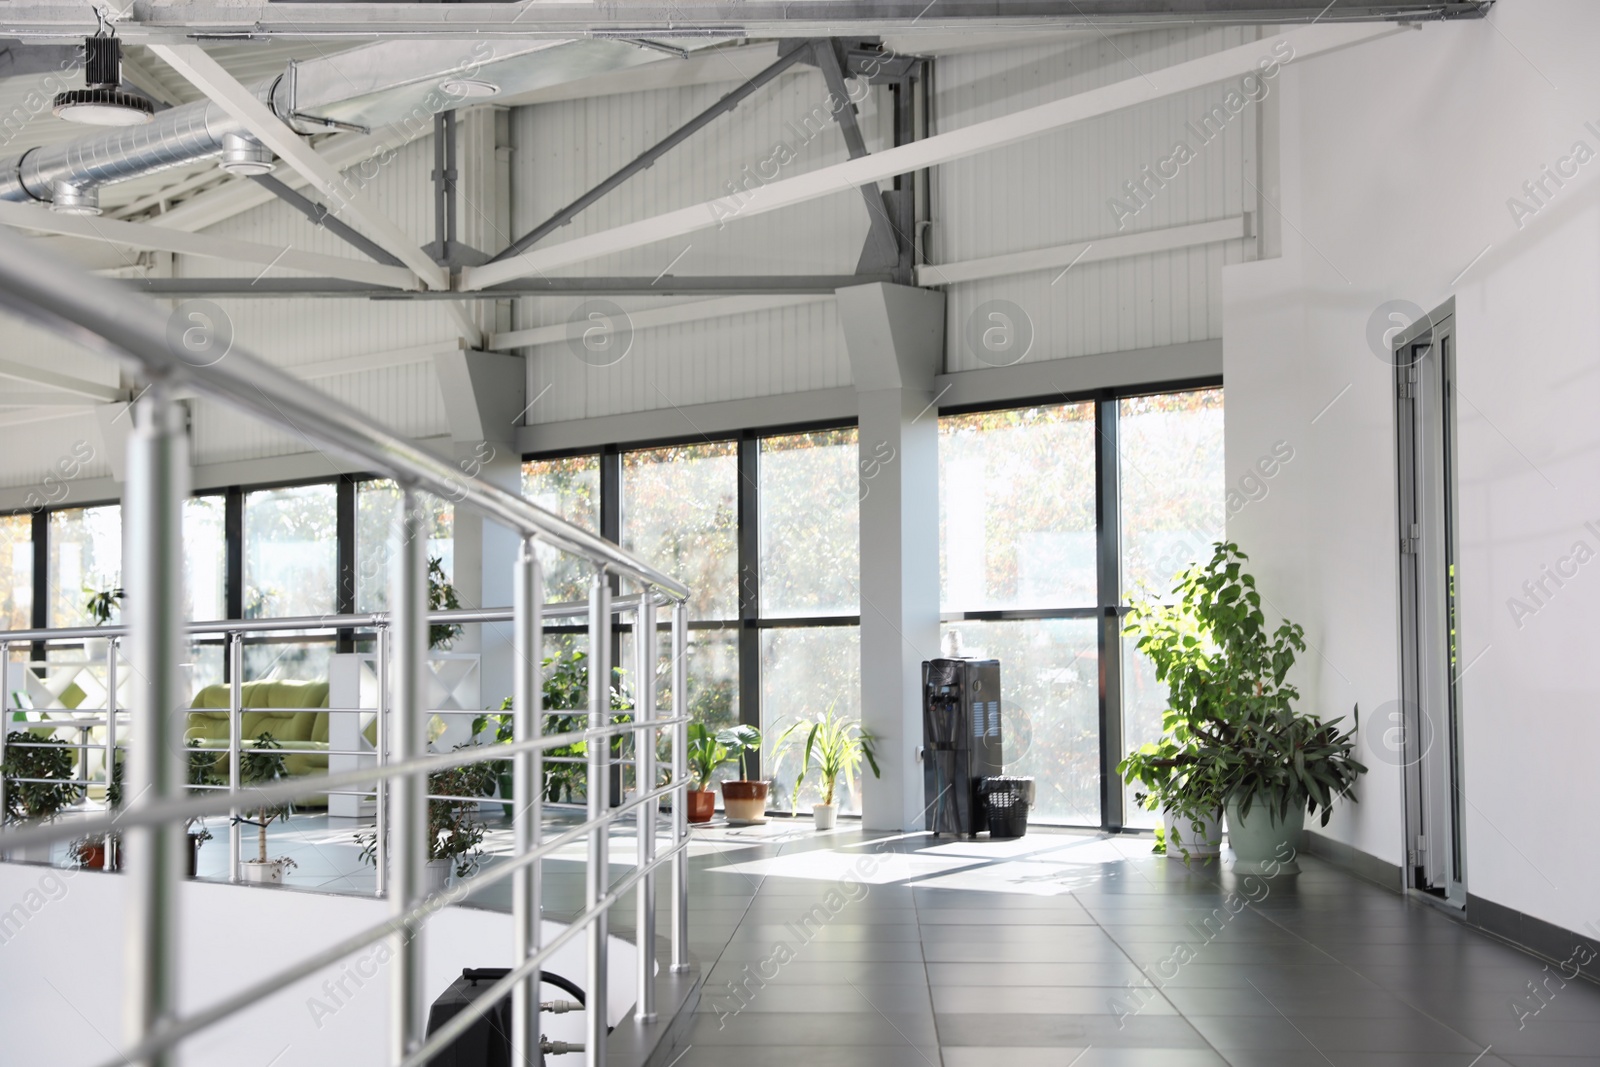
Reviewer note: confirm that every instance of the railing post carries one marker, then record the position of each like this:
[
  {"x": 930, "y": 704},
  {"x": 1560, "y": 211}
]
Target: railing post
[
  {"x": 596, "y": 790},
  {"x": 110, "y": 861},
  {"x": 380, "y": 790},
  {"x": 646, "y": 652},
  {"x": 680, "y": 799},
  {"x": 158, "y": 477},
  {"x": 235, "y": 746},
  {"x": 408, "y": 663},
  {"x": 527, "y": 720}
]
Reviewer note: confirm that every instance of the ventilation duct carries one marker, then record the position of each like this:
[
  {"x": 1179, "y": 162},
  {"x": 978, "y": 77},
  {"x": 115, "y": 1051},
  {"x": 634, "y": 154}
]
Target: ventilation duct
[{"x": 393, "y": 87}]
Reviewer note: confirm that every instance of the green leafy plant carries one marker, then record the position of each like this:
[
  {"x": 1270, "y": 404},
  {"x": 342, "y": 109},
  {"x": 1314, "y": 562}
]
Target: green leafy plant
[
  {"x": 706, "y": 752},
  {"x": 39, "y": 782},
  {"x": 441, "y": 597},
  {"x": 1230, "y": 730},
  {"x": 837, "y": 746},
  {"x": 566, "y": 702},
  {"x": 102, "y": 604},
  {"x": 455, "y": 829},
  {"x": 261, "y": 764},
  {"x": 740, "y": 741}
]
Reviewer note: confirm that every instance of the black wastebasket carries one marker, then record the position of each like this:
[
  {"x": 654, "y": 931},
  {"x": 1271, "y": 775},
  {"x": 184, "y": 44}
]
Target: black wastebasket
[{"x": 1006, "y": 799}]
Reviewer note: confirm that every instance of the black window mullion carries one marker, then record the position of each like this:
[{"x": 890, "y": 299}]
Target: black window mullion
[
  {"x": 233, "y": 531},
  {"x": 41, "y": 577},
  {"x": 749, "y": 582},
  {"x": 344, "y": 600}
]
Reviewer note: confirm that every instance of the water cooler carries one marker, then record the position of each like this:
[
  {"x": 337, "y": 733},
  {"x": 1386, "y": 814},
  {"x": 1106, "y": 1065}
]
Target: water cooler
[{"x": 960, "y": 740}]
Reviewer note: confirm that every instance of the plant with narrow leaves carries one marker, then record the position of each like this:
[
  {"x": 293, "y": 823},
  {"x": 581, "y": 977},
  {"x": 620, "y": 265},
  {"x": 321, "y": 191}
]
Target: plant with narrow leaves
[{"x": 837, "y": 746}]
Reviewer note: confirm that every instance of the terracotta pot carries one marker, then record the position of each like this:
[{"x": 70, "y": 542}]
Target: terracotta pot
[
  {"x": 702, "y": 805},
  {"x": 745, "y": 802},
  {"x": 93, "y": 856}
]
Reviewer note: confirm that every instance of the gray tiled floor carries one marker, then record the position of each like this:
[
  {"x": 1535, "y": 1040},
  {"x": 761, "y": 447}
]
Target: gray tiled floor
[
  {"x": 846, "y": 949},
  {"x": 979, "y": 954}
]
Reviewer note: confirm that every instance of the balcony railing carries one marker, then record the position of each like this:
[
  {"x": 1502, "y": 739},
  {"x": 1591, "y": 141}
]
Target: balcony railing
[{"x": 105, "y": 316}]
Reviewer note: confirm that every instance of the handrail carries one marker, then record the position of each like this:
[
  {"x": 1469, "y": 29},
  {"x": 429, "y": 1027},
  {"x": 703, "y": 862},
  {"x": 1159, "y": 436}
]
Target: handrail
[
  {"x": 100, "y": 313},
  {"x": 363, "y": 621}
]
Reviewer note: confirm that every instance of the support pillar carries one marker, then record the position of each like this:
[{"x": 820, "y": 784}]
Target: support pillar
[{"x": 895, "y": 337}]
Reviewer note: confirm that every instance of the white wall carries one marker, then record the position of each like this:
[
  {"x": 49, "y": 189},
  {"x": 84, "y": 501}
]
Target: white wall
[
  {"x": 1399, "y": 157},
  {"x": 62, "y": 961}
]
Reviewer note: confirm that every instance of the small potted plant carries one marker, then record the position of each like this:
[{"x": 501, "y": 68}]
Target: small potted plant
[
  {"x": 102, "y": 606},
  {"x": 455, "y": 830},
  {"x": 837, "y": 746},
  {"x": 744, "y": 801},
  {"x": 39, "y": 784},
  {"x": 261, "y": 765},
  {"x": 706, "y": 753}
]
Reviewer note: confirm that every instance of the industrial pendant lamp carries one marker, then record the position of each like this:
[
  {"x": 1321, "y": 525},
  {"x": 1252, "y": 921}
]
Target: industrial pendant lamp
[{"x": 102, "y": 102}]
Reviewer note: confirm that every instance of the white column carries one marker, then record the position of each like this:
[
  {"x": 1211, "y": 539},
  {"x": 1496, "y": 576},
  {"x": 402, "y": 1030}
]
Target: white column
[{"x": 895, "y": 336}]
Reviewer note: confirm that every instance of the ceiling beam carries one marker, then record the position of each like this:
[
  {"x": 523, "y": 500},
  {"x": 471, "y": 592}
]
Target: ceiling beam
[
  {"x": 650, "y": 318},
  {"x": 64, "y": 382},
  {"x": 138, "y": 235},
  {"x": 209, "y": 77},
  {"x": 704, "y": 285},
  {"x": 932, "y": 151},
  {"x": 245, "y": 20}
]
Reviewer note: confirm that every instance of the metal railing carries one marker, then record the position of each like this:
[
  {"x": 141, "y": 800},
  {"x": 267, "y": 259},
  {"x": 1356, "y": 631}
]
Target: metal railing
[{"x": 103, "y": 315}]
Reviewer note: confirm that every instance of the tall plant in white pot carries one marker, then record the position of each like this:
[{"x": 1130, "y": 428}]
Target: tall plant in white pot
[
  {"x": 1231, "y": 739},
  {"x": 836, "y": 746}
]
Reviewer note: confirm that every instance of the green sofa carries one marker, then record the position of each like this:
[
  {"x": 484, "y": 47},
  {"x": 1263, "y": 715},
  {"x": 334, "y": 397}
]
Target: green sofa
[{"x": 290, "y": 727}]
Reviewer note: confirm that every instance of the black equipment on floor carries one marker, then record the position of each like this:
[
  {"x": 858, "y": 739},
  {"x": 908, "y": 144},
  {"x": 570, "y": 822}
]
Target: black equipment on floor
[
  {"x": 961, "y": 741},
  {"x": 487, "y": 1042}
]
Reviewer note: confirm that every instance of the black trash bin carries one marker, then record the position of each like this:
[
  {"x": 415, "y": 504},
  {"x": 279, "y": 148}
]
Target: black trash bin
[{"x": 1006, "y": 799}]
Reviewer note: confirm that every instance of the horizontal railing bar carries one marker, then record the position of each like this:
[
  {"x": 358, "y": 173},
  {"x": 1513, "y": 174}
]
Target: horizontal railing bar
[
  {"x": 370, "y": 620},
  {"x": 177, "y": 1031},
  {"x": 486, "y": 1001},
  {"x": 287, "y": 791}
]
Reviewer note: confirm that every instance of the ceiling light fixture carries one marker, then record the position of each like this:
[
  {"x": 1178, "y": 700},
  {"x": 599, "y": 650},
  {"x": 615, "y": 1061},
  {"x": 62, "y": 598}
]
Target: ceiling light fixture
[
  {"x": 468, "y": 87},
  {"x": 102, "y": 102}
]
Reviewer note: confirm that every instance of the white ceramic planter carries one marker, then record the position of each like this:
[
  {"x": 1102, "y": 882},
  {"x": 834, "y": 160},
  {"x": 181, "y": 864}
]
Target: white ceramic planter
[
  {"x": 255, "y": 872},
  {"x": 435, "y": 876},
  {"x": 824, "y": 815},
  {"x": 1262, "y": 844},
  {"x": 1202, "y": 845}
]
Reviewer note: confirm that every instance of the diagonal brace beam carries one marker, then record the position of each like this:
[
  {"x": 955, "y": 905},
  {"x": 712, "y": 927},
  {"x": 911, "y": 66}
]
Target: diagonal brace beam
[
  {"x": 649, "y": 157},
  {"x": 318, "y": 215},
  {"x": 883, "y": 245},
  {"x": 209, "y": 77}
]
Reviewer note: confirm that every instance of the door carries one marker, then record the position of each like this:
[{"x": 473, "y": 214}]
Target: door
[{"x": 1430, "y": 646}]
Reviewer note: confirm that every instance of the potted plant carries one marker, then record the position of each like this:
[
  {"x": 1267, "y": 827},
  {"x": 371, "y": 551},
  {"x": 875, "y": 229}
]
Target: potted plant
[
  {"x": 261, "y": 765},
  {"x": 1230, "y": 734},
  {"x": 39, "y": 783},
  {"x": 104, "y": 852},
  {"x": 441, "y": 597},
  {"x": 455, "y": 830},
  {"x": 837, "y": 746},
  {"x": 102, "y": 606},
  {"x": 744, "y": 801},
  {"x": 705, "y": 754}
]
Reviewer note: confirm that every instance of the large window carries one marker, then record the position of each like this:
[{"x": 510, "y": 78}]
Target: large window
[
  {"x": 1017, "y": 507},
  {"x": 377, "y": 511},
  {"x": 680, "y": 509},
  {"x": 1170, "y": 471},
  {"x": 1050, "y": 516},
  {"x": 85, "y": 558},
  {"x": 291, "y": 560},
  {"x": 16, "y": 572},
  {"x": 568, "y": 486},
  {"x": 205, "y": 558}
]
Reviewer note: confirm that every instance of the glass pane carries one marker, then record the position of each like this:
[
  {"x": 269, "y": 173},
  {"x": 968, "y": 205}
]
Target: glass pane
[
  {"x": 1174, "y": 489},
  {"x": 680, "y": 514},
  {"x": 1050, "y": 703},
  {"x": 16, "y": 572},
  {"x": 568, "y": 487},
  {"x": 810, "y": 525},
  {"x": 205, "y": 558},
  {"x": 377, "y": 504},
  {"x": 286, "y": 657},
  {"x": 1173, "y": 484},
  {"x": 804, "y": 672},
  {"x": 1017, "y": 508},
  {"x": 290, "y": 552},
  {"x": 85, "y": 558}
]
